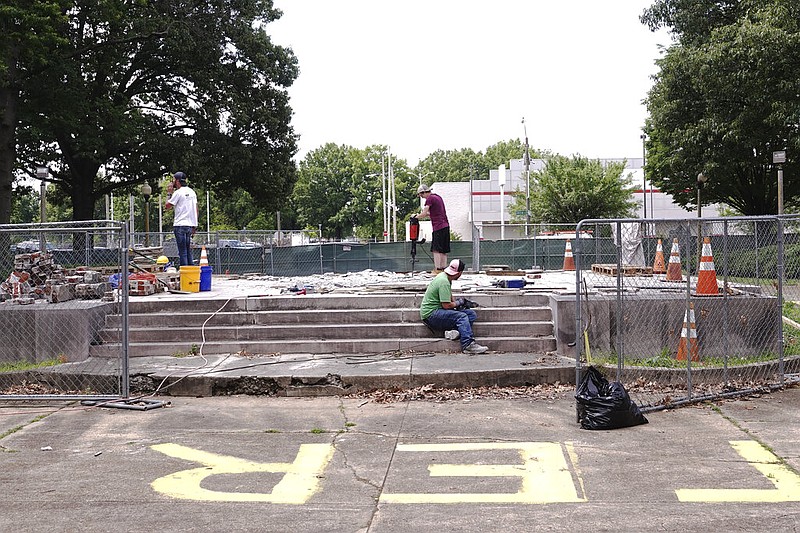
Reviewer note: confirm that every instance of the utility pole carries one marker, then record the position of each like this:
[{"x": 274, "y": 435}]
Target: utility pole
[
  {"x": 528, "y": 177},
  {"x": 394, "y": 199},
  {"x": 384, "y": 198},
  {"x": 643, "y": 137}
]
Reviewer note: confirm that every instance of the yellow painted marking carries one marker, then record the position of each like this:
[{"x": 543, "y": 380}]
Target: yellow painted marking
[
  {"x": 299, "y": 483},
  {"x": 787, "y": 483},
  {"x": 543, "y": 473},
  {"x": 573, "y": 457}
]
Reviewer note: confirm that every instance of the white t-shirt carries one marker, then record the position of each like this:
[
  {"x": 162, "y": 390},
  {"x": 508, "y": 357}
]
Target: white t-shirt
[{"x": 184, "y": 201}]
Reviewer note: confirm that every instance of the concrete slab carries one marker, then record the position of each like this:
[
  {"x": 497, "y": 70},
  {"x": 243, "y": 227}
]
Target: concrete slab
[{"x": 465, "y": 465}]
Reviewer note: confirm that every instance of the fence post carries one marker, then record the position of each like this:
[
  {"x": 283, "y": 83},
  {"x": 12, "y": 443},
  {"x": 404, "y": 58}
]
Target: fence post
[
  {"x": 688, "y": 254},
  {"x": 125, "y": 384},
  {"x": 620, "y": 303},
  {"x": 780, "y": 273},
  {"x": 578, "y": 318},
  {"x": 726, "y": 305},
  {"x": 476, "y": 248},
  {"x": 319, "y": 238}
]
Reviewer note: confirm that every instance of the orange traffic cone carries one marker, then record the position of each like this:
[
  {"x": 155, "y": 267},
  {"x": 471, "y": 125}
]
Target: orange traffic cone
[
  {"x": 203, "y": 257},
  {"x": 674, "y": 267},
  {"x": 658, "y": 265},
  {"x": 707, "y": 277},
  {"x": 569, "y": 261},
  {"x": 688, "y": 344}
]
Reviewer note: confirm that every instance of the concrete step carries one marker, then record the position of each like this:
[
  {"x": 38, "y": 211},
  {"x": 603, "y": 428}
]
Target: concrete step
[
  {"x": 329, "y": 301},
  {"x": 316, "y": 316},
  {"x": 322, "y": 324},
  {"x": 319, "y": 331},
  {"x": 316, "y": 346}
]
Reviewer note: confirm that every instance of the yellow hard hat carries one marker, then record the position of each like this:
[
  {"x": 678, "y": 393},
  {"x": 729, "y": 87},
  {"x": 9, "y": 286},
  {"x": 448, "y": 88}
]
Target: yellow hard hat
[{"x": 162, "y": 260}]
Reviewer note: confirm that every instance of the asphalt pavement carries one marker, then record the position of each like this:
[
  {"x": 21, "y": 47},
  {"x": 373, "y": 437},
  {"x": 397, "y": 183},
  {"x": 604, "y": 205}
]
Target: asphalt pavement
[{"x": 352, "y": 464}]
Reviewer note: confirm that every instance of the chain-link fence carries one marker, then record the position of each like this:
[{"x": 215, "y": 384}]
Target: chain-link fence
[
  {"x": 682, "y": 310},
  {"x": 61, "y": 297},
  {"x": 293, "y": 253},
  {"x": 525, "y": 246}
]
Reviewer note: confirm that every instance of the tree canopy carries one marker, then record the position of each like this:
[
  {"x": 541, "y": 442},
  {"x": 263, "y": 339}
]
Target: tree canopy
[
  {"x": 570, "y": 189},
  {"x": 465, "y": 163},
  {"x": 726, "y": 97},
  {"x": 27, "y": 37},
  {"x": 340, "y": 187},
  {"x": 144, "y": 88}
]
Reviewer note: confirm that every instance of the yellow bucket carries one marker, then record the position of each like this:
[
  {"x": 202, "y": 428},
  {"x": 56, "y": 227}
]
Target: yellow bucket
[{"x": 190, "y": 278}]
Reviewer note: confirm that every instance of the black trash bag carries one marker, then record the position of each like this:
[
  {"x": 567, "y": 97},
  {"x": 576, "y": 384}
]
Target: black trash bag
[{"x": 604, "y": 405}]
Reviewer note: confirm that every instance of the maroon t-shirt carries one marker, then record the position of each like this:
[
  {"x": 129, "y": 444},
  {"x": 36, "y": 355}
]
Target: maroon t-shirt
[{"x": 436, "y": 211}]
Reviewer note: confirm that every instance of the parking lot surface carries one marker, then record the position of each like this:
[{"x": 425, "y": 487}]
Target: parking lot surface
[{"x": 247, "y": 463}]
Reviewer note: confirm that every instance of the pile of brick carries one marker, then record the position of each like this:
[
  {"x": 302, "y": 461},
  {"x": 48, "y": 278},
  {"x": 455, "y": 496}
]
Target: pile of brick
[{"x": 37, "y": 277}]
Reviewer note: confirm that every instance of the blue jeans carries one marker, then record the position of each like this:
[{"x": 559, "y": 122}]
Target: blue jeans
[
  {"x": 183, "y": 238},
  {"x": 444, "y": 319}
]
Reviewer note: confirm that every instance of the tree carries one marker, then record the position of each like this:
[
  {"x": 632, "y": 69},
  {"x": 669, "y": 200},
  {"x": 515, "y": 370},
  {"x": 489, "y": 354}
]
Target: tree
[
  {"x": 569, "y": 190},
  {"x": 340, "y": 188},
  {"x": 452, "y": 165},
  {"x": 143, "y": 88},
  {"x": 727, "y": 96},
  {"x": 466, "y": 164},
  {"x": 503, "y": 152},
  {"x": 27, "y": 34}
]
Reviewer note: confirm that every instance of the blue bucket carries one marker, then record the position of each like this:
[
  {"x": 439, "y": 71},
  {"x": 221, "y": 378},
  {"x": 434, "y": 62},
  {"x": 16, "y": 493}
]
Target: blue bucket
[{"x": 205, "y": 278}]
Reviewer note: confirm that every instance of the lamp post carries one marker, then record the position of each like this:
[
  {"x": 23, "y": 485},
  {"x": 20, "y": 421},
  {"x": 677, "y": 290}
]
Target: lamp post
[
  {"x": 419, "y": 176},
  {"x": 643, "y": 137},
  {"x": 527, "y": 161},
  {"x": 42, "y": 173},
  {"x": 701, "y": 180},
  {"x": 146, "y": 191},
  {"x": 778, "y": 158}
]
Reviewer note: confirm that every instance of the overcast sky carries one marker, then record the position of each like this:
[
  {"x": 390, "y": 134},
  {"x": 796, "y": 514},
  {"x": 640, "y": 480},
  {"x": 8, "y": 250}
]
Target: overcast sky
[{"x": 448, "y": 74}]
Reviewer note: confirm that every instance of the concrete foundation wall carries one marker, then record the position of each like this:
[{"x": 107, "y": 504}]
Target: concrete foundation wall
[{"x": 35, "y": 333}]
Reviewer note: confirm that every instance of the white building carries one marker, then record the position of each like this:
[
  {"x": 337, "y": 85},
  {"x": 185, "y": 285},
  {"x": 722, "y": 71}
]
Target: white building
[{"x": 487, "y": 196}]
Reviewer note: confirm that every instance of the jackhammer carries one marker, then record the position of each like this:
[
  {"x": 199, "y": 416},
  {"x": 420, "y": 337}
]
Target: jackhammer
[{"x": 413, "y": 235}]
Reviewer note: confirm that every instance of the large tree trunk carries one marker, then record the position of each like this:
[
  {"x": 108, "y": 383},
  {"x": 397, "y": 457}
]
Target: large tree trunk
[
  {"x": 9, "y": 98},
  {"x": 84, "y": 173}
]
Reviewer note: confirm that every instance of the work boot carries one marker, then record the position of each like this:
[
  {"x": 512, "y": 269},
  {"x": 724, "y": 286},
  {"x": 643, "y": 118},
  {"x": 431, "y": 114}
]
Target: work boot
[
  {"x": 436, "y": 271},
  {"x": 474, "y": 348},
  {"x": 451, "y": 334}
]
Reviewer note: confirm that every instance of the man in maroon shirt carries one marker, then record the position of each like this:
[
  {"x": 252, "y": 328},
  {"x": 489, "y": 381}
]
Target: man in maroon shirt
[{"x": 434, "y": 208}]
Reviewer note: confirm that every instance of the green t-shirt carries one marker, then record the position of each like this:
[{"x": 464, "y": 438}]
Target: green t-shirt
[{"x": 438, "y": 291}]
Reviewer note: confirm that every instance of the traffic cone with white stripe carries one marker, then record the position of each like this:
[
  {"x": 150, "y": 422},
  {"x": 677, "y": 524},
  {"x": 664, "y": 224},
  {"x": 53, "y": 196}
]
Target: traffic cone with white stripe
[
  {"x": 658, "y": 265},
  {"x": 203, "y": 257},
  {"x": 674, "y": 266},
  {"x": 688, "y": 344},
  {"x": 707, "y": 277},
  {"x": 569, "y": 261}
]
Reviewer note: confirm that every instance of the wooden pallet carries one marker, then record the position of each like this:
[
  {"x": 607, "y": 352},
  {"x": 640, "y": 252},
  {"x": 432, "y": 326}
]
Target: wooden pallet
[{"x": 627, "y": 270}]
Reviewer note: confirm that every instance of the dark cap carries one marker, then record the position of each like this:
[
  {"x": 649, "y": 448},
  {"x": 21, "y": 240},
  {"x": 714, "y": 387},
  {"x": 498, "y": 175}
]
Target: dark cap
[{"x": 180, "y": 176}]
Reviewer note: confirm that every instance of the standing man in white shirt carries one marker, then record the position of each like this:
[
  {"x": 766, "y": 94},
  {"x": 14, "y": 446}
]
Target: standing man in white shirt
[{"x": 184, "y": 200}]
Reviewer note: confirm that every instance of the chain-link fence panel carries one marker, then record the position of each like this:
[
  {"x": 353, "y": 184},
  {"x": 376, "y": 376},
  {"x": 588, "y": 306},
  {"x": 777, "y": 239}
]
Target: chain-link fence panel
[
  {"x": 688, "y": 308},
  {"x": 63, "y": 295},
  {"x": 531, "y": 246}
]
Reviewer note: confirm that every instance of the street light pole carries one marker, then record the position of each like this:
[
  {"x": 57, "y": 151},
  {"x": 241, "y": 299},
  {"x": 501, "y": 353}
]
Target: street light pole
[
  {"x": 528, "y": 178},
  {"x": 419, "y": 176},
  {"x": 643, "y": 137},
  {"x": 146, "y": 191},
  {"x": 42, "y": 173},
  {"x": 778, "y": 158},
  {"x": 701, "y": 180}
]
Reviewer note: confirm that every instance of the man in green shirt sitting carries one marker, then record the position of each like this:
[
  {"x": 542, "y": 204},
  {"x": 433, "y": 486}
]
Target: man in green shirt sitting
[{"x": 438, "y": 310}]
